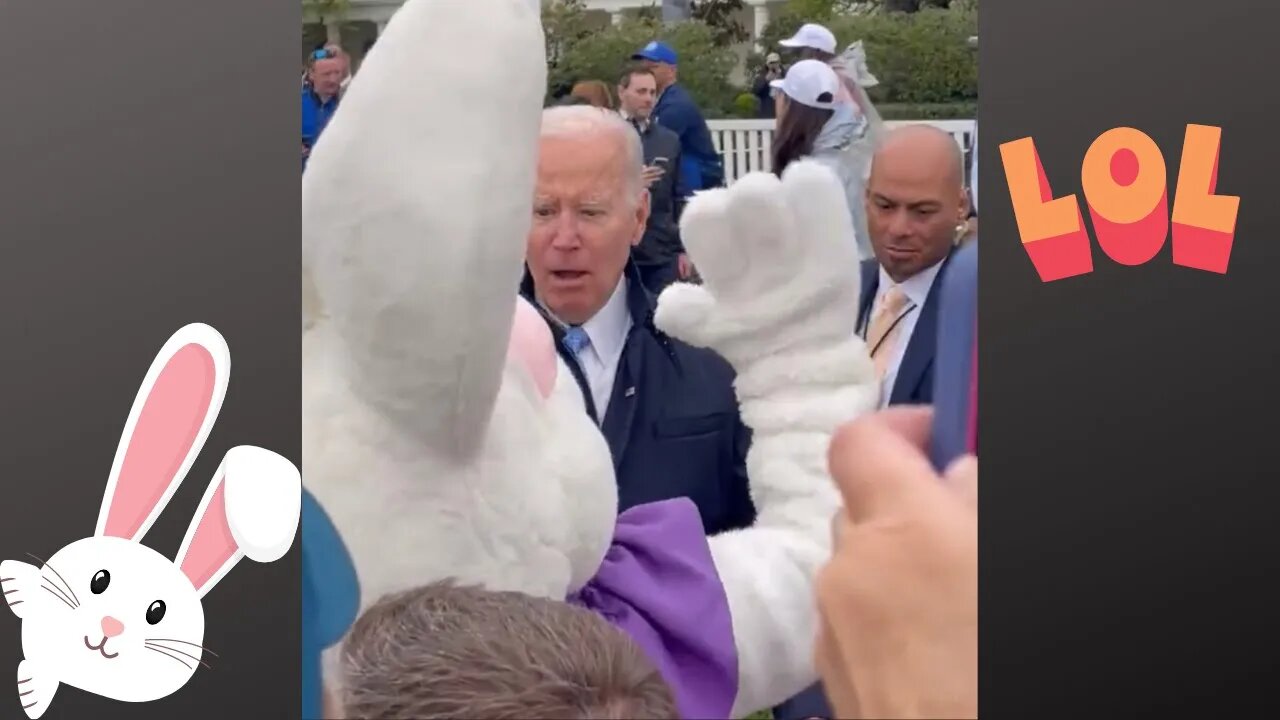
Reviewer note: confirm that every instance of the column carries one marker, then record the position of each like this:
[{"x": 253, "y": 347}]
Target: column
[{"x": 761, "y": 11}]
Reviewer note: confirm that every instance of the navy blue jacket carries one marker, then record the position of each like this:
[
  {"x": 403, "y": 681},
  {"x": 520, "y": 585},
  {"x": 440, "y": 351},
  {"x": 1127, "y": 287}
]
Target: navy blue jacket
[
  {"x": 913, "y": 386},
  {"x": 701, "y": 166},
  {"x": 672, "y": 423}
]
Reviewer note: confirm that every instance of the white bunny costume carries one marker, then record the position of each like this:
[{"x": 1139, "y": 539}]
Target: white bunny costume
[{"x": 445, "y": 437}]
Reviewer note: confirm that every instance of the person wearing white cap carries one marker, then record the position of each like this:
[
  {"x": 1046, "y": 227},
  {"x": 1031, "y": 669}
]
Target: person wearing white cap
[
  {"x": 815, "y": 42},
  {"x": 812, "y": 123}
]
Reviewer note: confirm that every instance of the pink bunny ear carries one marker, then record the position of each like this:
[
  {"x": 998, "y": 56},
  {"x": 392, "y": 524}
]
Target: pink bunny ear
[
  {"x": 531, "y": 344},
  {"x": 251, "y": 509},
  {"x": 171, "y": 417}
]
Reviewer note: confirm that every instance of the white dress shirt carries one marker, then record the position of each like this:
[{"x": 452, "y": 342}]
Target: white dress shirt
[
  {"x": 608, "y": 331},
  {"x": 917, "y": 288}
]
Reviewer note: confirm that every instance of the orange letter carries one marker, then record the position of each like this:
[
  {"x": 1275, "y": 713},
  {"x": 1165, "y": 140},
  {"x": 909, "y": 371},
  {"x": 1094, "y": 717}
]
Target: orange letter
[
  {"x": 1204, "y": 224},
  {"x": 1123, "y": 178},
  {"x": 1052, "y": 230}
]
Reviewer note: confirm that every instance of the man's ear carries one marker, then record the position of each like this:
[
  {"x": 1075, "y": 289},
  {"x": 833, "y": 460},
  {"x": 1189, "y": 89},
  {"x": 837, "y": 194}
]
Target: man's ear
[{"x": 642, "y": 217}]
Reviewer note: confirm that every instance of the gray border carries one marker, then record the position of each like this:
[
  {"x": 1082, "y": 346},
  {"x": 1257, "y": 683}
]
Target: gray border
[
  {"x": 148, "y": 179},
  {"x": 1128, "y": 501}
]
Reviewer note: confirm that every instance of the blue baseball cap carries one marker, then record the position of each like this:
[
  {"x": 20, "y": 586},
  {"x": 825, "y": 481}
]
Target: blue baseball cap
[{"x": 656, "y": 52}]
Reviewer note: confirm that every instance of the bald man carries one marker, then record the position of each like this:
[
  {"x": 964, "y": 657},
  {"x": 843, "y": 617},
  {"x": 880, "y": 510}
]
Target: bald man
[{"x": 917, "y": 209}]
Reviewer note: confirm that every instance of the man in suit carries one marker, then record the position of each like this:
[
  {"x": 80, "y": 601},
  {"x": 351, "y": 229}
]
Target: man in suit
[
  {"x": 702, "y": 166},
  {"x": 660, "y": 256},
  {"x": 667, "y": 410},
  {"x": 916, "y": 211}
]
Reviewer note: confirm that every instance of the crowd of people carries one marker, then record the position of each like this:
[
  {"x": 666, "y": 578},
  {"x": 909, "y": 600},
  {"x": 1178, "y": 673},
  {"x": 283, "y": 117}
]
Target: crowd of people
[{"x": 618, "y": 163}]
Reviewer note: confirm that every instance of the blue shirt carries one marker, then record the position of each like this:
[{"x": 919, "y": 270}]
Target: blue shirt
[
  {"x": 315, "y": 116},
  {"x": 330, "y": 597},
  {"x": 700, "y": 164}
]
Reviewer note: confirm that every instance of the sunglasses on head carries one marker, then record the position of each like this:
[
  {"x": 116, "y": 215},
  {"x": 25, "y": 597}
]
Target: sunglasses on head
[{"x": 324, "y": 54}]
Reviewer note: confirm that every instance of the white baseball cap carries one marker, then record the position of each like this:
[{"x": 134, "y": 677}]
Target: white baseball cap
[
  {"x": 812, "y": 83},
  {"x": 812, "y": 35}
]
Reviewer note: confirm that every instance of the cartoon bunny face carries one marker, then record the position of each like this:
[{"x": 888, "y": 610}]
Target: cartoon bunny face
[
  {"x": 117, "y": 618},
  {"x": 113, "y": 617}
]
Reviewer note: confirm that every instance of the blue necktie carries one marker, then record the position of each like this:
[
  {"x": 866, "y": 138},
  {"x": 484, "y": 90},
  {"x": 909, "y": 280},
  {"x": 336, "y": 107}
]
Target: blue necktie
[{"x": 576, "y": 340}]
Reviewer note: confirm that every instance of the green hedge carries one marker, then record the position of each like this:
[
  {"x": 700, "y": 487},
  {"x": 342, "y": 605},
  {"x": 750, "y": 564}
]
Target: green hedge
[
  {"x": 920, "y": 58},
  {"x": 578, "y": 52},
  {"x": 939, "y": 111}
]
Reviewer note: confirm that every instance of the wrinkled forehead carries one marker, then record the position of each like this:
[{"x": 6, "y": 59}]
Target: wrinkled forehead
[{"x": 588, "y": 166}]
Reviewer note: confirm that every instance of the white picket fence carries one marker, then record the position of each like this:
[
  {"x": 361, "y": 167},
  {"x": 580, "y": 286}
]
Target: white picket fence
[{"x": 747, "y": 145}]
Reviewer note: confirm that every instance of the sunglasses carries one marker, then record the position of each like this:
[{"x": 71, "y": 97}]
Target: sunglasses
[{"x": 324, "y": 54}]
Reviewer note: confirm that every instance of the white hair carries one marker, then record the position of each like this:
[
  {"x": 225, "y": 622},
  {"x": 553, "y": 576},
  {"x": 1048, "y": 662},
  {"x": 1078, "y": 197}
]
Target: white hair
[{"x": 579, "y": 121}]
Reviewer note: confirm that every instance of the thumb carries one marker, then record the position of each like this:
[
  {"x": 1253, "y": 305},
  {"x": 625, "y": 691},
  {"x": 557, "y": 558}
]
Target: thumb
[{"x": 878, "y": 462}]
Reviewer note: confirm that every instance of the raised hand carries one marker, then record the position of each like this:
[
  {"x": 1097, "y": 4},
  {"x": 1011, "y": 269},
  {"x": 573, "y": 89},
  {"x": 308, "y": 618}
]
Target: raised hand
[{"x": 779, "y": 301}]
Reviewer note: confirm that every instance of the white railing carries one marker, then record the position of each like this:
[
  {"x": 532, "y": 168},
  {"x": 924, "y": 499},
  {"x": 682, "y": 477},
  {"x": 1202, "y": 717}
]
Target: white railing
[{"x": 747, "y": 145}]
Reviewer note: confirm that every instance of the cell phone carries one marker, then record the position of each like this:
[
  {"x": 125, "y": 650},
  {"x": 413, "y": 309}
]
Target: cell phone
[
  {"x": 955, "y": 380},
  {"x": 660, "y": 162}
]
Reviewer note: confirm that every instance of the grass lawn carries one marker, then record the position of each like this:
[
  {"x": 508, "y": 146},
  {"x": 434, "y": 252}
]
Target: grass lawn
[{"x": 762, "y": 715}]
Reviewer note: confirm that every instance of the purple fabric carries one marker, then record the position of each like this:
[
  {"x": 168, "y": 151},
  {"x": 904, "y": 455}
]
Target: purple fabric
[{"x": 658, "y": 583}]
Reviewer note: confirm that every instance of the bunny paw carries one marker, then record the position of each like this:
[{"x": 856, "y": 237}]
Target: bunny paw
[
  {"x": 17, "y": 579},
  {"x": 686, "y": 312},
  {"x": 36, "y": 687}
]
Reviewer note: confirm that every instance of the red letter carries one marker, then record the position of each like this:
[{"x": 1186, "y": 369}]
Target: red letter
[
  {"x": 1052, "y": 230},
  {"x": 1123, "y": 178},
  {"x": 1204, "y": 224}
]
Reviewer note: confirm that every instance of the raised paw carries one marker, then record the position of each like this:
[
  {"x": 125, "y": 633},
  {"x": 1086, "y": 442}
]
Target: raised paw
[
  {"x": 17, "y": 580},
  {"x": 687, "y": 313},
  {"x": 35, "y": 689},
  {"x": 824, "y": 232}
]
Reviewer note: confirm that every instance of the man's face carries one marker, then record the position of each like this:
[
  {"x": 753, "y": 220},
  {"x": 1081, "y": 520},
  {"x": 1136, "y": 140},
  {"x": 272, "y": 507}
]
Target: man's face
[
  {"x": 326, "y": 76},
  {"x": 585, "y": 221},
  {"x": 639, "y": 96},
  {"x": 913, "y": 206}
]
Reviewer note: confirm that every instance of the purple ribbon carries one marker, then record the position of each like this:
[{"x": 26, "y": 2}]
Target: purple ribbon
[{"x": 658, "y": 583}]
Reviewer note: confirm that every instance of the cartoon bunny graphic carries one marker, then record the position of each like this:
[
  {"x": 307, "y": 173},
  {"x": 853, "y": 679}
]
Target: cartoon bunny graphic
[{"x": 115, "y": 618}]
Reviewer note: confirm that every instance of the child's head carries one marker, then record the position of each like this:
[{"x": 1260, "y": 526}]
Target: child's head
[{"x": 444, "y": 651}]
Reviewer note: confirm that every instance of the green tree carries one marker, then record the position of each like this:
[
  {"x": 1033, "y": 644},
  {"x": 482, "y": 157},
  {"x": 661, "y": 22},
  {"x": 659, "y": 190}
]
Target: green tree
[
  {"x": 330, "y": 13},
  {"x": 721, "y": 17},
  {"x": 579, "y": 50},
  {"x": 920, "y": 58}
]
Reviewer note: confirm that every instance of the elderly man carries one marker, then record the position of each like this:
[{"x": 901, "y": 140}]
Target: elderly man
[
  {"x": 668, "y": 410},
  {"x": 916, "y": 211}
]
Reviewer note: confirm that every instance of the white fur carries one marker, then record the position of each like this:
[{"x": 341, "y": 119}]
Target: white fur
[
  {"x": 781, "y": 295},
  {"x": 432, "y": 450}
]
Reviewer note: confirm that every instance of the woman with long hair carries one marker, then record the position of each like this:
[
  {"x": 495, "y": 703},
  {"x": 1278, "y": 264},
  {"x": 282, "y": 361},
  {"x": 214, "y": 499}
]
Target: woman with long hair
[
  {"x": 595, "y": 92},
  {"x": 813, "y": 123}
]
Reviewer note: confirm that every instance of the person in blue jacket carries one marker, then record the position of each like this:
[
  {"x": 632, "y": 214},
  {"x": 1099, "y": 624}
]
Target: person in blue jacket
[
  {"x": 320, "y": 95},
  {"x": 330, "y": 599},
  {"x": 701, "y": 166}
]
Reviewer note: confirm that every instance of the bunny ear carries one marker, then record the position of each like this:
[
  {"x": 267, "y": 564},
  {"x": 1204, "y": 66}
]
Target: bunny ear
[
  {"x": 415, "y": 213},
  {"x": 251, "y": 509},
  {"x": 171, "y": 418},
  {"x": 533, "y": 347}
]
